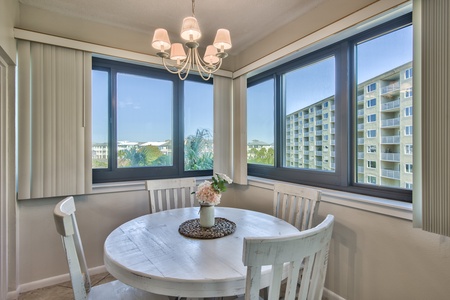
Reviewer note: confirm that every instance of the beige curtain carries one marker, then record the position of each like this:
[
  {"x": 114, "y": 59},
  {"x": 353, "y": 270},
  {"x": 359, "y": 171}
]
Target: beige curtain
[
  {"x": 54, "y": 121},
  {"x": 223, "y": 125},
  {"x": 431, "y": 194}
]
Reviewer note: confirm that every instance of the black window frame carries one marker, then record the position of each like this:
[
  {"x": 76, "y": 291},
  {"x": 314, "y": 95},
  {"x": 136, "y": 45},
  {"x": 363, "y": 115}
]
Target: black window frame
[
  {"x": 345, "y": 119},
  {"x": 115, "y": 174}
]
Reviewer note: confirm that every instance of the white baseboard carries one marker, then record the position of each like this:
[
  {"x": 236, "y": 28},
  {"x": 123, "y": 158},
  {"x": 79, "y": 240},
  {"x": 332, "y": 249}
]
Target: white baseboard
[
  {"x": 330, "y": 295},
  {"x": 12, "y": 295},
  {"x": 49, "y": 282}
]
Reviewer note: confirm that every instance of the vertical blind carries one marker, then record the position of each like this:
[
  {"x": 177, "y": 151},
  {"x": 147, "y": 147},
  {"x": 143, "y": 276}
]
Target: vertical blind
[
  {"x": 54, "y": 121},
  {"x": 434, "y": 26}
]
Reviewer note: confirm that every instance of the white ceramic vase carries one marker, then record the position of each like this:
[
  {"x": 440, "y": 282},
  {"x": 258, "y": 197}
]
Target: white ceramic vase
[{"x": 207, "y": 218}]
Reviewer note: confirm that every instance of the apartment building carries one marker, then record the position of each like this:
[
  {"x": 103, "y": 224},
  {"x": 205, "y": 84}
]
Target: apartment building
[{"x": 384, "y": 131}]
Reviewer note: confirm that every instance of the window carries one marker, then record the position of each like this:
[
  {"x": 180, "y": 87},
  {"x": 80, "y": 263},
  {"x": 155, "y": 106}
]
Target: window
[
  {"x": 371, "y": 102},
  {"x": 408, "y": 93},
  {"x": 371, "y": 179},
  {"x": 408, "y": 73},
  {"x": 313, "y": 81},
  {"x": 372, "y": 133},
  {"x": 408, "y": 111},
  {"x": 409, "y": 185},
  {"x": 371, "y": 164},
  {"x": 371, "y": 149},
  {"x": 260, "y": 123},
  {"x": 371, "y": 118},
  {"x": 138, "y": 129},
  {"x": 371, "y": 87},
  {"x": 409, "y": 149},
  {"x": 408, "y": 168},
  {"x": 409, "y": 130}
]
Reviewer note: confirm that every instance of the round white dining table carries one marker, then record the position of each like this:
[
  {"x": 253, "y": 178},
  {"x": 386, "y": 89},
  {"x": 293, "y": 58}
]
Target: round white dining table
[{"x": 150, "y": 254}]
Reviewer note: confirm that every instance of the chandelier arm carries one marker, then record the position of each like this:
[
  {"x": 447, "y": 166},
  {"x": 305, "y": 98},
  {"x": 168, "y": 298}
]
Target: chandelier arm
[
  {"x": 204, "y": 73},
  {"x": 168, "y": 66},
  {"x": 186, "y": 67}
]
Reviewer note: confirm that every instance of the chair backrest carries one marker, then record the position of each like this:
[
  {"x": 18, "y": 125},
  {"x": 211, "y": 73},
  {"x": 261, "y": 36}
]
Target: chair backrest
[
  {"x": 66, "y": 225},
  {"x": 171, "y": 193},
  {"x": 307, "y": 250},
  {"x": 295, "y": 204}
]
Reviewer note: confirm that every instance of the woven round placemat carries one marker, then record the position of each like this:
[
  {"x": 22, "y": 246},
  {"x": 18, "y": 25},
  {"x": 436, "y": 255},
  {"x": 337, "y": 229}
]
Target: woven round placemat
[{"x": 222, "y": 227}]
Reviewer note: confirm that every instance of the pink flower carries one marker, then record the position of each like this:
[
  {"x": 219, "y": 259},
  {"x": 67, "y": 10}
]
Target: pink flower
[{"x": 206, "y": 194}]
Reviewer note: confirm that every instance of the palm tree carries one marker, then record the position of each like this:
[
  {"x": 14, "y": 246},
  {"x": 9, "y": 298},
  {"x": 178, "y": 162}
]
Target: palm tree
[{"x": 197, "y": 156}]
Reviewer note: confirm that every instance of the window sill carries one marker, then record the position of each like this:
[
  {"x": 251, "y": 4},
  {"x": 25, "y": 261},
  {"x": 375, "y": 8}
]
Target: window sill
[{"x": 382, "y": 206}]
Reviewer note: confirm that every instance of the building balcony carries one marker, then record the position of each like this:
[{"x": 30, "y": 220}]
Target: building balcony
[
  {"x": 360, "y": 169},
  {"x": 333, "y": 130},
  {"x": 361, "y": 112},
  {"x": 333, "y": 153},
  {"x": 392, "y": 105},
  {"x": 394, "y": 139},
  {"x": 395, "y": 122},
  {"x": 360, "y": 98},
  {"x": 305, "y": 143},
  {"x": 318, "y": 163},
  {"x": 390, "y": 88},
  {"x": 390, "y": 174},
  {"x": 360, "y": 127},
  {"x": 306, "y": 134},
  {"x": 333, "y": 166},
  {"x": 319, "y": 122},
  {"x": 360, "y": 155},
  {"x": 360, "y": 141},
  {"x": 318, "y": 153},
  {"x": 318, "y": 112},
  {"x": 306, "y": 116},
  {"x": 318, "y": 143},
  {"x": 319, "y": 132},
  {"x": 390, "y": 157}
]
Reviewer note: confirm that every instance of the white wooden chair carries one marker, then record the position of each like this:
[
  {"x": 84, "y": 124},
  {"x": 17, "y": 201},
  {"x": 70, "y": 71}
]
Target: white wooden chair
[
  {"x": 170, "y": 193},
  {"x": 308, "y": 250},
  {"x": 66, "y": 225},
  {"x": 295, "y": 204}
]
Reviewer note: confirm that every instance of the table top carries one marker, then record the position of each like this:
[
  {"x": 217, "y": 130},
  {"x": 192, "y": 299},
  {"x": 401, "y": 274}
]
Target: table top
[{"x": 149, "y": 253}]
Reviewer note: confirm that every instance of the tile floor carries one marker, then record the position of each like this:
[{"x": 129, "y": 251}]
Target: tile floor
[{"x": 62, "y": 291}]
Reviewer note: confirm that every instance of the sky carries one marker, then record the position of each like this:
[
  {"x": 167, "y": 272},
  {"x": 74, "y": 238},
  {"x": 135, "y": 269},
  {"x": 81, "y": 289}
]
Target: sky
[
  {"x": 145, "y": 110},
  {"x": 316, "y": 81}
]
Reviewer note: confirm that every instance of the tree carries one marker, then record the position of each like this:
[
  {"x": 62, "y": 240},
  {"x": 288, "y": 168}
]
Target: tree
[{"x": 197, "y": 151}]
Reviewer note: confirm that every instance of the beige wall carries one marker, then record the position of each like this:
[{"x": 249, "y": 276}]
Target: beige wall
[
  {"x": 372, "y": 256},
  {"x": 9, "y": 11}
]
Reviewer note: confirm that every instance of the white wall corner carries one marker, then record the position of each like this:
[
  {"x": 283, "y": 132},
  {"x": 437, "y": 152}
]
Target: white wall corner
[{"x": 329, "y": 295}]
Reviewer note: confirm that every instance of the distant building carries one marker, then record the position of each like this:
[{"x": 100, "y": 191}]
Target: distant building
[{"x": 384, "y": 131}]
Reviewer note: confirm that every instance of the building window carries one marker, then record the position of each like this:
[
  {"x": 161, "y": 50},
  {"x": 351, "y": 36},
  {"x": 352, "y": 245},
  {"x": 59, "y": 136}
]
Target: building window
[
  {"x": 325, "y": 137},
  {"x": 325, "y": 105},
  {"x": 297, "y": 87},
  {"x": 408, "y": 168},
  {"x": 137, "y": 124},
  {"x": 371, "y": 164},
  {"x": 409, "y": 130},
  {"x": 408, "y": 111},
  {"x": 371, "y": 118},
  {"x": 409, "y": 149},
  {"x": 408, "y": 93},
  {"x": 409, "y": 185},
  {"x": 372, "y": 133},
  {"x": 371, "y": 102},
  {"x": 371, "y": 87},
  {"x": 371, "y": 149},
  {"x": 408, "y": 73},
  {"x": 371, "y": 179},
  {"x": 325, "y": 115}
]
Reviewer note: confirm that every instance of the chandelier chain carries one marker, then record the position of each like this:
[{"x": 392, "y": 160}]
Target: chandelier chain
[{"x": 193, "y": 8}]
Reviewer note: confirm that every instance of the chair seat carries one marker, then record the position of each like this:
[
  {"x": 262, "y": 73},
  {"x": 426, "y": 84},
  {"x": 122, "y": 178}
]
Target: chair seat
[{"x": 116, "y": 290}]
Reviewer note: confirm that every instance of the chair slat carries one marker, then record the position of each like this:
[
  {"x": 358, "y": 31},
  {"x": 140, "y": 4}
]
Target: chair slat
[{"x": 174, "y": 195}]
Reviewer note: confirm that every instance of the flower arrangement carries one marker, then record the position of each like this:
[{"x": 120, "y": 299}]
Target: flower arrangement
[{"x": 209, "y": 193}]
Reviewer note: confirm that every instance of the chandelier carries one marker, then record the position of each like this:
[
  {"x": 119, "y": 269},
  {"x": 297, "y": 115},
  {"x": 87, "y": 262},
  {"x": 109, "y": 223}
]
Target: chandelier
[{"x": 181, "y": 63}]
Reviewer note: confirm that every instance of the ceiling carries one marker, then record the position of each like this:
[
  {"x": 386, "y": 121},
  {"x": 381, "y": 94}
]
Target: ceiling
[{"x": 248, "y": 20}]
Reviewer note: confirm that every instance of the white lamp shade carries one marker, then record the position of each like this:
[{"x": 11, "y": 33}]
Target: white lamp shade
[
  {"x": 223, "y": 39},
  {"x": 190, "y": 28},
  {"x": 161, "y": 39},
  {"x": 177, "y": 52},
  {"x": 210, "y": 55}
]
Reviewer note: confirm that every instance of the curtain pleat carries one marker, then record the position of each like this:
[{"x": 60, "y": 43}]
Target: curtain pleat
[
  {"x": 435, "y": 95},
  {"x": 52, "y": 134}
]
